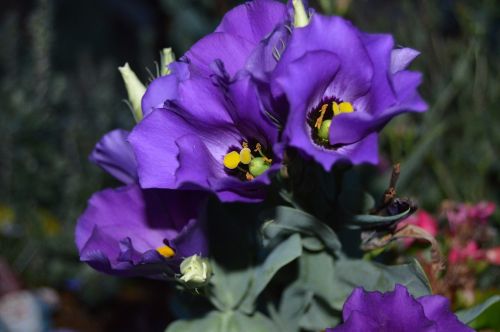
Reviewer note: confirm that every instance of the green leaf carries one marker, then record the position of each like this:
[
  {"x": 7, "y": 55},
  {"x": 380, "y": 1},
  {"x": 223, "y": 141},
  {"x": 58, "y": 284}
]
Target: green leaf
[
  {"x": 283, "y": 254},
  {"x": 228, "y": 321},
  {"x": 468, "y": 315},
  {"x": 289, "y": 221},
  {"x": 229, "y": 287},
  {"x": 369, "y": 221}
]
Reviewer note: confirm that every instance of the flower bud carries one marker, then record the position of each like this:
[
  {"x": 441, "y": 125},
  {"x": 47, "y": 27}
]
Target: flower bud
[
  {"x": 135, "y": 90},
  {"x": 195, "y": 271},
  {"x": 167, "y": 57},
  {"x": 301, "y": 18}
]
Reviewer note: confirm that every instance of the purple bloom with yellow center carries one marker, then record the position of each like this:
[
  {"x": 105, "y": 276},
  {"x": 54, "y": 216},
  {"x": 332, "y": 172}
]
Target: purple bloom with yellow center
[
  {"x": 134, "y": 232},
  {"x": 397, "y": 311},
  {"x": 212, "y": 137},
  {"x": 334, "y": 87}
]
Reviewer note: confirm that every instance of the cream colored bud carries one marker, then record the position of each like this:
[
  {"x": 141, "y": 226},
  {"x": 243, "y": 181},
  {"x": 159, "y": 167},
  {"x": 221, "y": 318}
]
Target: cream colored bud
[
  {"x": 135, "y": 90},
  {"x": 301, "y": 17},
  {"x": 195, "y": 271},
  {"x": 167, "y": 57}
]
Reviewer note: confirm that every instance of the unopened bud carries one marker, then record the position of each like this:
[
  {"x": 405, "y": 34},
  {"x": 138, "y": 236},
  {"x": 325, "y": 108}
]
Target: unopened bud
[
  {"x": 301, "y": 17},
  {"x": 135, "y": 90},
  {"x": 167, "y": 57},
  {"x": 195, "y": 271}
]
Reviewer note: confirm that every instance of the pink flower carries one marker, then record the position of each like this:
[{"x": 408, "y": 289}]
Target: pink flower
[
  {"x": 481, "y": 211},
  {"x": 462, "y": 254},
  {"x": 493, "y": 255}
]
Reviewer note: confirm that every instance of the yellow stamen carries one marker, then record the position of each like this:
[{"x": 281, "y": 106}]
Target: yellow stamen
[
  {"x": 165, "y": 251},
  {"x": 244, "y": 145},
  {"x": 336, "y": 109},
  {"x": 249, "y": 176},
  {"x": 346, "y": 107},
  {"x": 245, "y": 155},
  {"x": 319, "y": 120},
  {"x": 232, "y": 159}
]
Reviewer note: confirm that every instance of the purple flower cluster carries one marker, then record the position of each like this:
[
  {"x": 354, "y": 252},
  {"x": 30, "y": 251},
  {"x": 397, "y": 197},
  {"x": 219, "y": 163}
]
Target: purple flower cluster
[
  {"x": 222, "y": 120},
  {"x": 397, "y": 311}
]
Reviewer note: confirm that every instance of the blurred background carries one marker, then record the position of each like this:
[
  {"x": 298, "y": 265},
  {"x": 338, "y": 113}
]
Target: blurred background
[{"x": 60, "y": 91}]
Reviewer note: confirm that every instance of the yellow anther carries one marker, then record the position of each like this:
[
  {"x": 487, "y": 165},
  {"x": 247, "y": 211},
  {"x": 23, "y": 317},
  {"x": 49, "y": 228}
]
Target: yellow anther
[
  {"x": 245, "y": 155},
  {"x": 346, "y": 107},
  {"x": 322, "y": 112},
  {"x": 166, "y": 251},
  {"x": 258, "y": 147},
  {"x": 232, "y": 159},
  {"x": 336, "y": 109}
]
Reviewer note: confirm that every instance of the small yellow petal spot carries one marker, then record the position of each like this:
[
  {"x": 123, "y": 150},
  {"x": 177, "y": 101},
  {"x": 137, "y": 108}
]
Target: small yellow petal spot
[
  {"x": 346, "y": 107},
  {"x": 245, "y": 156},
  {"x": 165, "y": 251},
  {"x": 232, "y": 159}
]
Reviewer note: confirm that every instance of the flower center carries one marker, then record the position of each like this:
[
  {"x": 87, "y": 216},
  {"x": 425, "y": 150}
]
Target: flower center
[
  {"x": 246, "y": 163},
  {"x": 320, "y": 119}
]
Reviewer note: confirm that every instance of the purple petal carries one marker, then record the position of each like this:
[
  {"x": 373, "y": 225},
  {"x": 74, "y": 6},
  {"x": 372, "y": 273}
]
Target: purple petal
[
  {"x": 357, "y": 322},
  {"x": 395, "y": 311},
  {"x": 253, "y": 20},
  {"x": 401, "y": 58},
  {"x": 160, "y": 90},
  {"x": 355, "y": 72},
  {"x": 230, "y": 49},
  {"x": 156, "y": 144},
  {"x": 437, "y": 308},
  {"x": 114, "y": 154}
]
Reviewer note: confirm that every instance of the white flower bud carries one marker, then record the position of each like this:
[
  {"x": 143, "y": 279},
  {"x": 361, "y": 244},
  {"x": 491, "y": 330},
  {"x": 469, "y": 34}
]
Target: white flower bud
[
  {"x": 167, "y": 57},
  {"x": 195, "y": 271},
  {"x": 135, "y": 90},
  {"x": 301, "y": 17}
]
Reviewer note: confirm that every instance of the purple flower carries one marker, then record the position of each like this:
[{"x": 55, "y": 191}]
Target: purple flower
[
  {"x": 338, "y": 87},
  {"x": 130, "y": 231},
  {"x": 212, "y": 137},
  {"x": 397, "y": 311},
  {"x": 133, "y": 232}
]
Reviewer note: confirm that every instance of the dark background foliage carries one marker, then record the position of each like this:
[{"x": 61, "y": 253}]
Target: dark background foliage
[{"x": 60, "y": 91}]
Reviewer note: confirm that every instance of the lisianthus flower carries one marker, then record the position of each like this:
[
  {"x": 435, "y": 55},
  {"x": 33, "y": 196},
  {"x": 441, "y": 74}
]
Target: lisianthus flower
[
  {"x": 133, "y": 232},
  {"x": 397, "y": 311},
  {"x": 212, "y": 137},
  {"x": 339, "y": 87}
]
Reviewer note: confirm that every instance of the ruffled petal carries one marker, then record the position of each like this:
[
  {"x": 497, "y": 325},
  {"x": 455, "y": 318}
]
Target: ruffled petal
[
  {"x": 395, "y": 311},
  {"x": 114, "y": 154},
  {"x": 253, "y": 20},
  {"x": 437, "y": 308},
  {"x": 230, "y": 49},
  {"x": 155, "y": 142},
  {"x": 160, "y": 90},
  {"x": 401, "y": 58}
]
